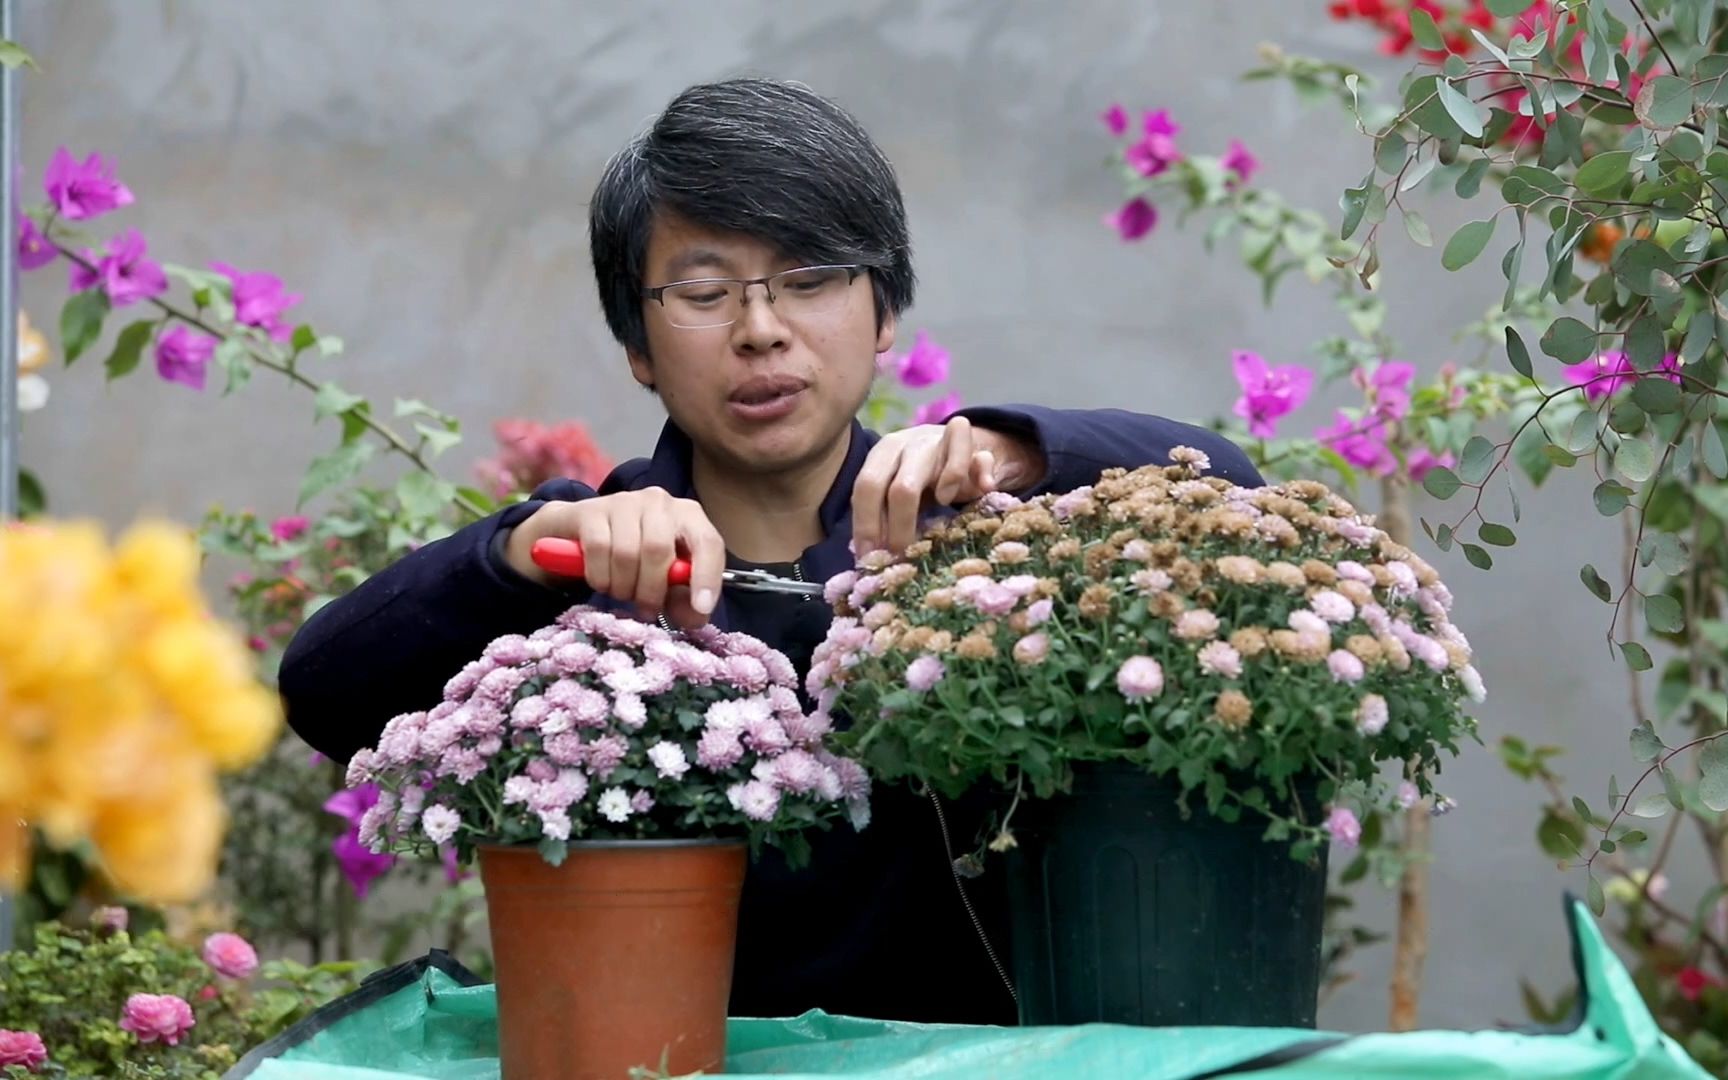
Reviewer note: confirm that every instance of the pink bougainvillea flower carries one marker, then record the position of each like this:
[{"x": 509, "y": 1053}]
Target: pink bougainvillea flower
[
  {"x": 289, "y": 528},
  {"x": 34, "y": 250},
  {"x": 1240, "y": 160},
  {"x": 1136, "y": 218},
  {"x": 230, "y": 955},
  {"x": 358, "y": 863},
  {"x": 125, "y": 272},
  {"x": 925, "y": 364},
  {"x": 1157, "y": 151},
  {"x": 1268, "y": 393},
  {"x": 1361, "y": 443},
  {"x": 83, "y": 191},
  {"x": 937, "y": 411},
  {"x": 1115, "y": 120},
  {"x": 259, "y": 300},
  {"x": 157, "y": 1017},
  {"x": 1611, "y": 372},
  {"x": 183, "y": 354},
  {"x": 1422, "y": 462},
  {"x": 1387, "y": 387}
]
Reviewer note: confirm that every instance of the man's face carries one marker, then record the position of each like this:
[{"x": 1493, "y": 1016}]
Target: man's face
[{"x": 775, "y": 390}]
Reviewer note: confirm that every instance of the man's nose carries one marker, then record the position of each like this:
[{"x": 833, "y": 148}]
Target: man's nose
[{"x": 759, "y": 327}]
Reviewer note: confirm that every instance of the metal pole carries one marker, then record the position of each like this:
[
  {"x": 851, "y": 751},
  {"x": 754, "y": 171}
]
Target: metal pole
[{"x": 8, "y": 323}]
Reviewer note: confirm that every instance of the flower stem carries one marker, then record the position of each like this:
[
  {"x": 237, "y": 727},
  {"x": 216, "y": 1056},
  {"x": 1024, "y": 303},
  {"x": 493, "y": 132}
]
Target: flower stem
[{"x": 260, "y": 357}]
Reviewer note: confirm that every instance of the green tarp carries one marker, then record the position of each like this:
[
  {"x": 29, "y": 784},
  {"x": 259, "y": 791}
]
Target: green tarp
[{"x": 421, "y": 1021}]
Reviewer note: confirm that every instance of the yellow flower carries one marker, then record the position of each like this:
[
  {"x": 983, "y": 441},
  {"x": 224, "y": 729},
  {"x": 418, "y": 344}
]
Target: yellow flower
[{"x": 120, "y": 699}]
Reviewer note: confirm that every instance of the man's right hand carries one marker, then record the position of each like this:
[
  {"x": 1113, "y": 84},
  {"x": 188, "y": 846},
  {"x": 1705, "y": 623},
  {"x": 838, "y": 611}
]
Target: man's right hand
[{"x": 628, "y": 542}]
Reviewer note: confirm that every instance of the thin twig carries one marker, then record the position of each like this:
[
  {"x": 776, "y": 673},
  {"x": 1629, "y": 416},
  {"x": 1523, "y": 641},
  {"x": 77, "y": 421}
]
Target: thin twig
[{"x": 287, "y": 371}]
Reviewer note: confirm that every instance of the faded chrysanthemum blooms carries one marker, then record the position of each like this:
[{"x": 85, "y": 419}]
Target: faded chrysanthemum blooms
[
  {"x": 1457, "y": 657},
  {"x": 1013, "y": 530},
  {"x": 1010, "y": 553},
  {"x": 884, "y": 639},
  {"x": 1095, "y": 601},
  {"x": 939, "y": 599},
  {"x": 879, "y": 615},
  {"x": 1186, "y": 574},
  {"x": 1047, "y": 588},
  {"x": 1035, "y": 520},
  {"x": 971, "y": 567},
  {"x": 1064, "y": 549},
  {"x": 1233, "y": 710},
  {"x": 918, "y": 549},
  {"x": 1395, "y": 652},
  {"x": 1020, "y": 622},
  {"x": 976, "y": 646},
  {"x": 984, "y": 526},
  {"x": 1286, "y": 574},
  {"x": 1195, "y": 493},
  {"x": 1167, "y": 605},
  {"x": 1250, "y": 641},
  {"x": 1382, "y": 576},
  {"x": 917, "y": 639},
  {"x": 1308, "y": 491},
  {"x": 1241, "y": 569},
  {"x": 1100, "y": 559},
  {"x": 1319, "y": 573},
  {"x": 1004, "y": 841},
  {"x": 1356, "y": 592},
  {"x": 941, "y": 641},
  {"x": 1365, "y": 648},
  {"x": 897, "y": 576},
  {"x": 1196, "y": 460},
  {"x": 875, "y": 559},
  {"x": 1277, "y": 529},
  {"x": 1292, "y": 645}
]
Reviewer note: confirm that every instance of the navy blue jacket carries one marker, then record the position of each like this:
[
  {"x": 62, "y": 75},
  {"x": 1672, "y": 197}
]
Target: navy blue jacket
[{"x": 874, "y": 926}]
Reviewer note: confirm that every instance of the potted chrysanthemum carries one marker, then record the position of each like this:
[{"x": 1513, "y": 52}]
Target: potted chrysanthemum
[
  {"x": 610, "y": 776},
  {"x": 1186, "y": 691}
]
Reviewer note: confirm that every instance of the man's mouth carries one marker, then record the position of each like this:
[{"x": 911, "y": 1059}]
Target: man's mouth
[{"x": 764, "y": 389}]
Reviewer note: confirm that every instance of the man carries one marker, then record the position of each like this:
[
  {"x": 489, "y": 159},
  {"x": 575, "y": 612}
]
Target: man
[{"x": 752, "y": 258}]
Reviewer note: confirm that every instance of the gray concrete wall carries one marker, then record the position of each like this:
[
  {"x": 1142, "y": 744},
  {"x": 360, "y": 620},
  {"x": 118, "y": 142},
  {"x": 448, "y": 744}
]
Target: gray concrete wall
[{"x": 419, "y": 169}]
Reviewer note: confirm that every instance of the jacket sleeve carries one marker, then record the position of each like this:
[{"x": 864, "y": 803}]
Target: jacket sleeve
[
  {"x": 1079, "y": 444},
  {"x": 389, "y": 646}
]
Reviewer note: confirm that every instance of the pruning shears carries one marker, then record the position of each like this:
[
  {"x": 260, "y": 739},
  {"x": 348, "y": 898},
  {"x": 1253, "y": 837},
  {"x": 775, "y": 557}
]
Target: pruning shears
[{"x": 561, "y": 556}]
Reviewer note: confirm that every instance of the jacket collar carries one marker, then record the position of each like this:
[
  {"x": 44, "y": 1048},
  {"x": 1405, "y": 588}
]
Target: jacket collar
[{"x": 670, "y": 470}]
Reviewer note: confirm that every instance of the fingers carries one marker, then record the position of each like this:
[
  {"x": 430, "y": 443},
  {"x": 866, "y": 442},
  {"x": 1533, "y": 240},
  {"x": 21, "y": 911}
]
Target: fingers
[
  {"x": 870, "y": 494},
  {"x": 953, "y": 478},
  {"x": 919, "y": 467},
  {"x": 624, "y": 529},
  {"x": 982, "y": 474},
  {"x": 707, "y": 553}
]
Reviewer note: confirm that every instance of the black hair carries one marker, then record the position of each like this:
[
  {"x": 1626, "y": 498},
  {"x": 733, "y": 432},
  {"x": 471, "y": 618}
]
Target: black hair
[{"x": 772, "y": 160}]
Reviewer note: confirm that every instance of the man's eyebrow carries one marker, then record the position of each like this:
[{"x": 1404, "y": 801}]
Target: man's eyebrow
[{"x": 694, "y": 258}]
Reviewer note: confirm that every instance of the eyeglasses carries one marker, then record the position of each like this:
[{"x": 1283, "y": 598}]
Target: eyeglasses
[{"x": 809, "y": 292}]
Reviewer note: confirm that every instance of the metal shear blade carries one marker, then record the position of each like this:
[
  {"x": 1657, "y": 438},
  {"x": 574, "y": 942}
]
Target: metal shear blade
[{"x": 762, "y": 581}]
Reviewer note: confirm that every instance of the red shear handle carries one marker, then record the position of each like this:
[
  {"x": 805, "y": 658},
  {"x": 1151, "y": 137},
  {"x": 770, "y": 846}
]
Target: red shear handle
[{"x": 557, "y": 555}]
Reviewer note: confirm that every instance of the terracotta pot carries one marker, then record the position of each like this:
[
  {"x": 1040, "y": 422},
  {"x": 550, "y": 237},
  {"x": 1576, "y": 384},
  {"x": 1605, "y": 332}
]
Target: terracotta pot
[{"x": 621, "y": 957}]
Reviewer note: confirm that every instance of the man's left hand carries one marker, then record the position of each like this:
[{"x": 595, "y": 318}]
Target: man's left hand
[{"x": 934, "y": 465}]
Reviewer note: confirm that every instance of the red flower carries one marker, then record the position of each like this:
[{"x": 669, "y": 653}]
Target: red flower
[{"x": 1692, "y": 982}]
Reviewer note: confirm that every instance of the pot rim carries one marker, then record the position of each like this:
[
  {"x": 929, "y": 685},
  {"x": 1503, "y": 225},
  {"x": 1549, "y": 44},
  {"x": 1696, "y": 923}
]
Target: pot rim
[{"x": 623, "y": 845}]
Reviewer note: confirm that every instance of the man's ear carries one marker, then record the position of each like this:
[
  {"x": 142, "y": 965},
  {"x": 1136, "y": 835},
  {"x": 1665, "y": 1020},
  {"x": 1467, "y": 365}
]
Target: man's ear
[
  {"x": 885, "y": 328},
  {"x": 641, "y": 368}
]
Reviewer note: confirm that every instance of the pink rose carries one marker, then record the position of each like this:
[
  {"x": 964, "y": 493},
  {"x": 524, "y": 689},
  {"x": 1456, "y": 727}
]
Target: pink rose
[
  {"x": 230, "y": 955},
  {"x": 154, "y": 1017},
  {"x": 22, "y": 1048}
]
